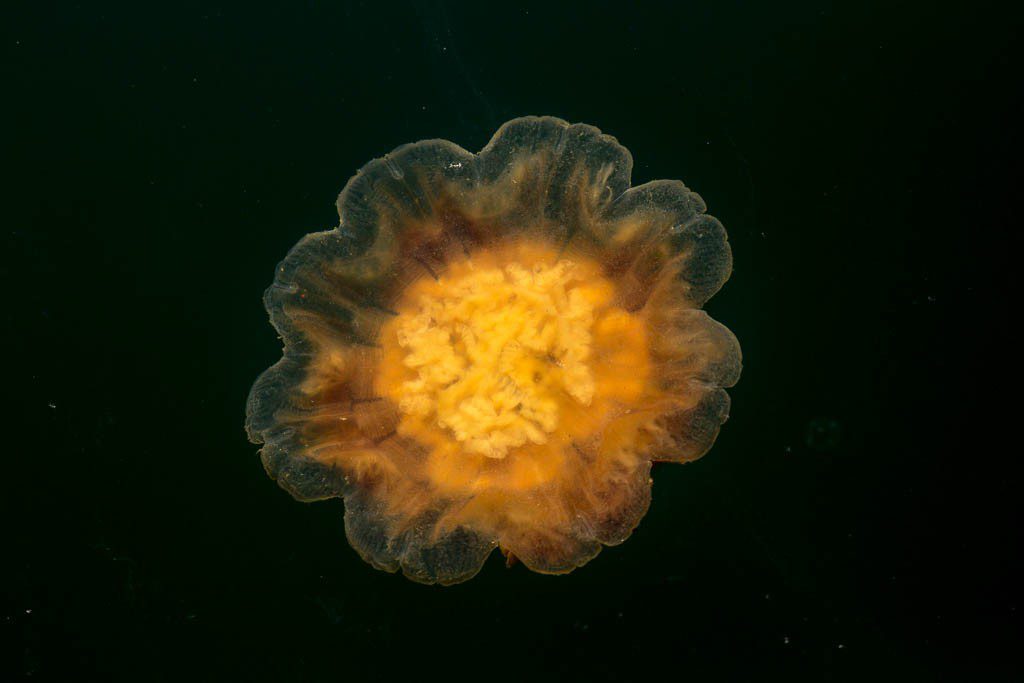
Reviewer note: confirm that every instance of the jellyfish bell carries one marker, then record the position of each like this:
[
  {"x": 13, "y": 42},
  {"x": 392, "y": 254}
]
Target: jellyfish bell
[{"x": 491, "y": 349}]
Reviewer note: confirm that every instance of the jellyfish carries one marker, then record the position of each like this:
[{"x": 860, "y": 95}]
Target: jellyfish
[{"x": 490, "y": 350}]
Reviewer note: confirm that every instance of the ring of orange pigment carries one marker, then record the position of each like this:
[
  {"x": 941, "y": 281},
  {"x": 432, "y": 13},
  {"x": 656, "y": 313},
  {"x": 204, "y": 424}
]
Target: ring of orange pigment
[{"x": 556, "y": 362}]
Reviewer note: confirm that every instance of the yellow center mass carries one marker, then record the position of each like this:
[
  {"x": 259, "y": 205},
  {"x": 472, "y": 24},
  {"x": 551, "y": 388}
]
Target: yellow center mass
[
  {"x": 494, "y": 350},
  {"x": 511, "y": 351}
]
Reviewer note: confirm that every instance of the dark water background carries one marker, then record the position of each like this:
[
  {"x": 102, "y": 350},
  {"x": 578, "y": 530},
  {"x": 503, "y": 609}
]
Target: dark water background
[{"x": 856, "y": 518}]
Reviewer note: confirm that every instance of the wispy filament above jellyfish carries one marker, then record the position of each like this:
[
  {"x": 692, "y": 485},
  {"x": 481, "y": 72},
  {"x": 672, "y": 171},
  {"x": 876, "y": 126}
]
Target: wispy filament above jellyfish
[{"x": 491, "y": 349}]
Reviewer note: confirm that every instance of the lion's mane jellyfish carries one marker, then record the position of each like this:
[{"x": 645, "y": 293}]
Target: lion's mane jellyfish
[{"x": 491, "y": 349}]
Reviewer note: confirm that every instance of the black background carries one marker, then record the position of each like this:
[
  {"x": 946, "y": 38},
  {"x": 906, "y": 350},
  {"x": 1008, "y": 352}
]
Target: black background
[{"x": 856, "y": 516}]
